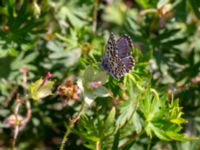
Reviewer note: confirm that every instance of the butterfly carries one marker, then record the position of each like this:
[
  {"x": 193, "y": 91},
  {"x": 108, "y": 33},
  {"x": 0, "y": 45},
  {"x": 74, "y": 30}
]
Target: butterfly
[{"x": 118, "y": 59}]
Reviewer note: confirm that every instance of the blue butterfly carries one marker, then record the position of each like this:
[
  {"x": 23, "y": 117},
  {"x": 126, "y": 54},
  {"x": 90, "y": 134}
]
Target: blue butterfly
[{"x": 118, "y": 59}]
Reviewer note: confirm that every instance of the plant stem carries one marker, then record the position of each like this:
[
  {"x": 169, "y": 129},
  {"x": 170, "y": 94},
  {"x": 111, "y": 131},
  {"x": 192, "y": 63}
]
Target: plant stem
[
  {"x": 65, "y": 137},
  {"x": 149, "y": 145},
  {"x": 16, "y": 129},
  {"x": 71, "y": 124},
  {"x": 76, "y": 117},
  {"x": 147, "y": 11},
  {"x": 20, "y": 124},
  {"x": 94, "y": 26},
  {"x": 98, "y": 145}
]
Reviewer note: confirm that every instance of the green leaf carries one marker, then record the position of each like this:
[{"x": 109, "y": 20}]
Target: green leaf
[
  {"x": 146, "y": 3},
  {"x": 181, "y": 10},
  {"x": 161, "y": 3},
  {"x": 116, "y": 141},
  {"x": 126, "y": 112},
  {"x": 115, "y": 13},
  {"x": 89, "y": 97},
  {"x": 150, "y": 104},
  {"x": 178, "y": 121},
  {"x": 88, "y": 75},
  {"x": 137, "y": 122},
  {"x": 195, "y": 6},
  {"x": 160, "y": 133},
  {"x": 101, "y": 92},
  {"x": 101, "y": 76},
  {"x": 55, "y": 46},
  {"x": 110, "y": 119},
  {"x": 180, "y": 137},
  {"x": 23, "y": 60}
]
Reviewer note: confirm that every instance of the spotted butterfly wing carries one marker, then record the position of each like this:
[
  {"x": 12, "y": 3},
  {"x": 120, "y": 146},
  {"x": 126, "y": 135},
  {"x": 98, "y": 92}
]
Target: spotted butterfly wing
[
  {"x": 110, "y": 61},
  {"x": 116, "y": 57},
  {"x": 124, "y": 45}
]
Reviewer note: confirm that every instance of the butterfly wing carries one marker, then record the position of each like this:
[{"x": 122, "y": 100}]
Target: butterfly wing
[
  {"x": 110, "y": 52},
  {"x": 124, "y": 45},
  {"x": 110, "y": 61}
]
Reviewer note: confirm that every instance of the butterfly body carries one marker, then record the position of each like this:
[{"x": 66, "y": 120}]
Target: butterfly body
[{"x": 117, "y": 59}]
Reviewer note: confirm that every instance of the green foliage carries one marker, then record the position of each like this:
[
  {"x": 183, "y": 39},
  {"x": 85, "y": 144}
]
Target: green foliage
[
  {"x": 20, "y": 28},
  {"x": 165, "y": 122},
  {"x": 154, "y": 106},
  {"x": 97, "y": 130}
]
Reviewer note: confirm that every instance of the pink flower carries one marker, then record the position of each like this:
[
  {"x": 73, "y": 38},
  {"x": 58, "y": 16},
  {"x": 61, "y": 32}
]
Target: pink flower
[
  {"x": 14, "y": 120},
  {"x": 95, "y": 84}
]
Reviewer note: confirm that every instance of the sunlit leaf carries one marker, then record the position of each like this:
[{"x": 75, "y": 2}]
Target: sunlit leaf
[{"x": 39, "y": 90}]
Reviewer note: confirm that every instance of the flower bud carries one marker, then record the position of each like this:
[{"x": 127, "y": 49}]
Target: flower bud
[{"x": 14, "y": 120}]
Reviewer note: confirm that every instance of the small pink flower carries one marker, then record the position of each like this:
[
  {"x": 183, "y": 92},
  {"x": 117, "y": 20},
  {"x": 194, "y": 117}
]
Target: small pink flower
[
  {"x": 13, "y": 120},
  {"x": 95, "y": 84},
  {"x": 49, "y": 75}
]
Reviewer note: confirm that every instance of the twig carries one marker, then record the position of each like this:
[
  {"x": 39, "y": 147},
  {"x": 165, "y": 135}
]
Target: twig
[
  {"x": 28, "y": 113},
  {"x": 16, "y": 129},
  {"x": 24, "y": 71},
  {"x": 71, "y": 124},
  {"x": 19, "y": 124}
]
